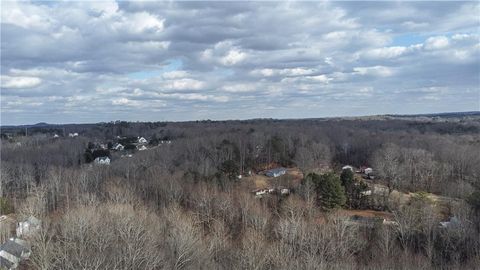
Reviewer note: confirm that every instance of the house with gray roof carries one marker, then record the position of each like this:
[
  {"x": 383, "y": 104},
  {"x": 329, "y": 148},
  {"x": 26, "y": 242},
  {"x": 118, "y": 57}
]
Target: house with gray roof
[
  {"x": 12, "y": 252},
  {"x": 276, "y": 172}
]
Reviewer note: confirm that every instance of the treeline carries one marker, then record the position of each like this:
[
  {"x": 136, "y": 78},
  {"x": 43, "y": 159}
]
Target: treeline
[{"x": 181, "y": 205}]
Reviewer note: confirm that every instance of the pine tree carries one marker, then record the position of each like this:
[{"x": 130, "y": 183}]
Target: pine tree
[{"x": 330, "y": 192}]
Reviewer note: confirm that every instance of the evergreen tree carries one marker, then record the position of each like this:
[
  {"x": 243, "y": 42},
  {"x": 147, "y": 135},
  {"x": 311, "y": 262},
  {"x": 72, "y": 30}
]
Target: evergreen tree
[{"x": 329, "y": 190}]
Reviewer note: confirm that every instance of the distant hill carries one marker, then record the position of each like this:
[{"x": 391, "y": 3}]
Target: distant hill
[
  {"x": 445, "y": 115},
  {"x": 367, "y": 117},
  {"x": 37, "y": 125}
]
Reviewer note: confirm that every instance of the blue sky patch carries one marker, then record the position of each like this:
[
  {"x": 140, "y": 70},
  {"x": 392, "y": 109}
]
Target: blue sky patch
[
  {"x": 174, "y": 64},
  {"x": 407, "y": 40}
]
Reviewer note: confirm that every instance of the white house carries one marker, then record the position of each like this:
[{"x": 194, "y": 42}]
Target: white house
[
  {"x": 28, "y": 227},
  {"x": 261, "y": 192},
  {"x": 285, "y": 191},
  {"x": 142, "y": 140},
  {"x": 347, "y": 167},
  {"x": 55, "y": 136},
  {"x": 73, "y": 134},
  {"x": 366, "y": 193},
  {"x": 118, "y": 147},
  {"x": 102, "y": 160},
  {"x": 368, "y": 171},
  {"x": 276, "y": 172},
  {"x": 142, "y": 148}
]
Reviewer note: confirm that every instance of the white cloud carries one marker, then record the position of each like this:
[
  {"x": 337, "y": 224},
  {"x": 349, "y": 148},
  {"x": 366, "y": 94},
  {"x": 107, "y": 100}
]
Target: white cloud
[
  {"x": 185, "y": 84},
  {"x": 19, "y": 82},
  {"x": 83, "y": 53},
  {"x": 175, "y": 74},
  {"x": 378, "y": 71},
  {"x": 233, "y": 57},
  {"x": 436, "y": 43},
  {"x": 268, "y": 72},
  {"x": 321, "y": 78},
  {"x": 240, "y": 88},
  {"x": 125, "y": 102},
  {"x": 386, "y": 52},
  {"x": 140, "y": 22},
  {"x": 25, "y": 15}
]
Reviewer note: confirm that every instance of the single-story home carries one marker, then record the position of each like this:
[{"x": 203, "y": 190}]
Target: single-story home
[
  {"x": 118, "y": 147},
  {"x": 12, "y": 252},
  {"x": 142, "y": 140},
  {"x": 141, "y": 148},
  {"x": 451, "y": 223},
  {"x": 347, "y": 167},
  {"x": 366, "y": 193},
  {"x": 260, "y": 192},
  {"x": 28, "y": 227},
  {"x": 102, "y": 160},
  {"x": 276, "y": 172}
]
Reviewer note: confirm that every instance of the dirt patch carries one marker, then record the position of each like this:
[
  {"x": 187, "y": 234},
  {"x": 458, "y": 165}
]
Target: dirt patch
[
  {"x": 297, "y": 176},
  {"x": 366, "y": 213},
  {"x": 260, "y": 181}
]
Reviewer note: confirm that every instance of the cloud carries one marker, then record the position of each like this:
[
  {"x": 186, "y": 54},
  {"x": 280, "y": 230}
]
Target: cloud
[
  {"x": 107, "y": 60},
  {"x": 436, "y": 43},
  {"x": 386, "y": 52},
  {"x": 380, "y": 71},
  {"x": 20, "y": 82},
  {"x": 233, "y": 57}
]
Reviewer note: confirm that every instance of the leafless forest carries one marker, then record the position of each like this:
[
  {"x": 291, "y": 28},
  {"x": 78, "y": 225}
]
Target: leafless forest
[{"x": 181, "y": 204}]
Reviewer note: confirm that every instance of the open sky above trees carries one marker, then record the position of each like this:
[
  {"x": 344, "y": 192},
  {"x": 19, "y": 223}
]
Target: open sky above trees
[{"x": 105, "y": 60}]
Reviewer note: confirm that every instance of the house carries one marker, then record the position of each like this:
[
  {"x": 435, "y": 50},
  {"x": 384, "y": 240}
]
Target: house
[
  {"x": 260, "y": 192},
  {"x": 55, "y": 136},
  {"x": 366, "y": 193},
  {"x": 141, "y": 148},
  {"x": 142, "y": 140},
  {"x": 73, "y": 134},
  {"x": 118, "y": 147},
  {"x": 102, "y": 160},
  {"x": 366, "y": 171},
  {"x": 387, "y": 222},
  {"x": 347, "y": 167},
  {"x": 28, "y": 227},
  {"x": 284, "y": 191},
  {"x": 451, "y": 223},
  {"x": 276, "y": 172},
  {"x": 12, "y": 252}
]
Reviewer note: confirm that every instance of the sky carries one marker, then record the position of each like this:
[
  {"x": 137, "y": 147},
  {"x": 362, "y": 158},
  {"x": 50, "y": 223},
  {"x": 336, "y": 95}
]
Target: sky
[{"x": 98, "y": 61}]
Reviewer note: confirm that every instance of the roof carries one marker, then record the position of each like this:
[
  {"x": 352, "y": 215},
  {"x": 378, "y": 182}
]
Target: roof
[
  {"x": 102, "y": 158},
  {"x": 5, "y": 263},
  {"x": 33, "y": 220},
  {"x": 277, "y": 170},
  {"x": 14, "y": 248}
]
